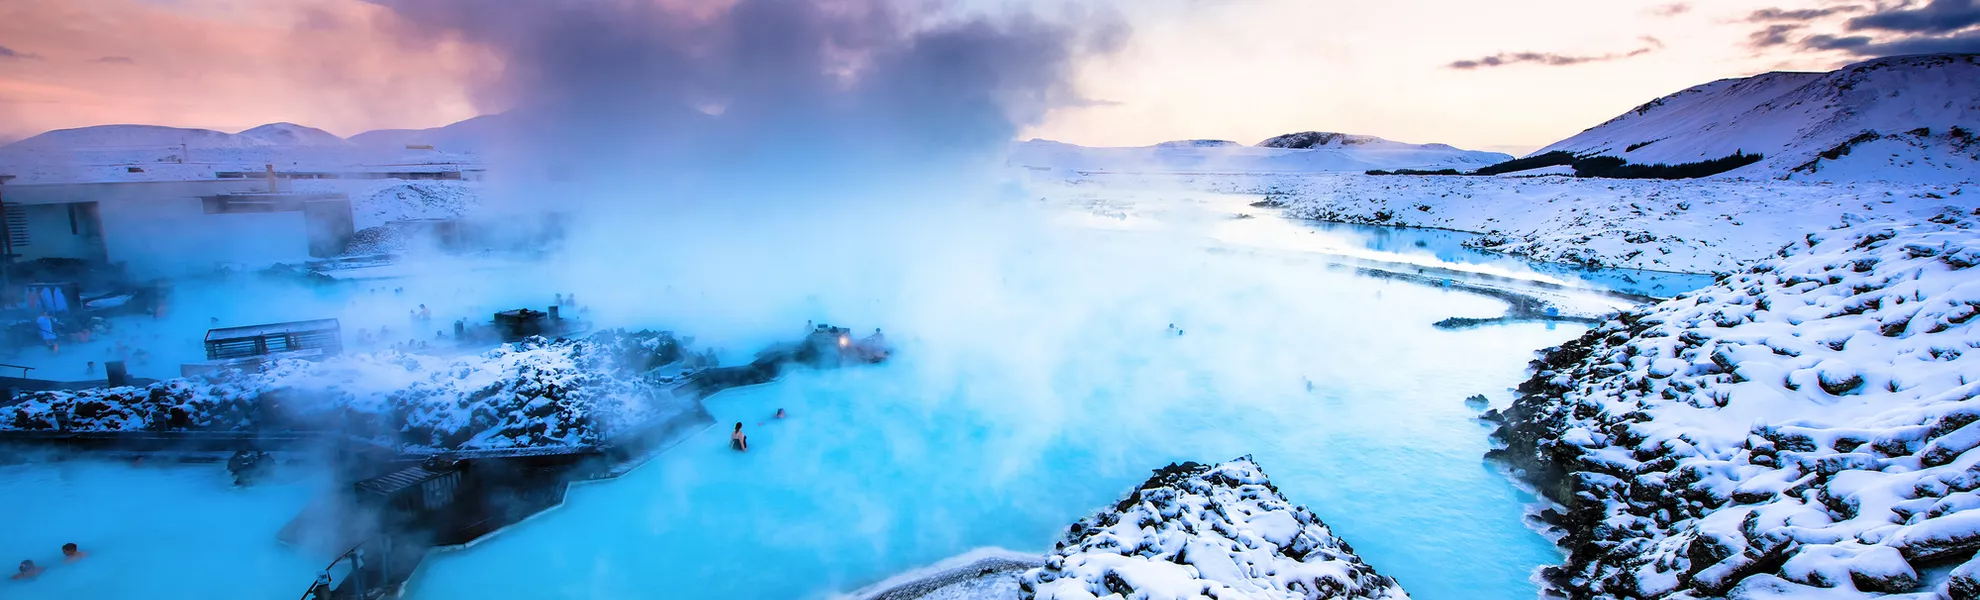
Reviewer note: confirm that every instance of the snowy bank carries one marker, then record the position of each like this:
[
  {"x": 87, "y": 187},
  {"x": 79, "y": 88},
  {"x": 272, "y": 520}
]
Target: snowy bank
[
  {"x": 532, "y": 394},
  {"x": 1693, "y": 226},
  {"x": 983, "y": 574},
  {"x": 1199, "y": 531},
  {"x": 1806, "y": 423}
]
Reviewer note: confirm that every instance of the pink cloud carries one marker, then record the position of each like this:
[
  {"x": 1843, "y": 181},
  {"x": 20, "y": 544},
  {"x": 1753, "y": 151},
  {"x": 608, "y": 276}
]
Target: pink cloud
[{"x": 342, "y": 65}]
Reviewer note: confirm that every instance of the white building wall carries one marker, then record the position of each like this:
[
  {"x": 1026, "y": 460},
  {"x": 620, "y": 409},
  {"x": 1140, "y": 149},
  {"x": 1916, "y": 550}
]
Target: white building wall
[
  {"x": 49, "y": 234},
  {"x": 169, "y": 237}
]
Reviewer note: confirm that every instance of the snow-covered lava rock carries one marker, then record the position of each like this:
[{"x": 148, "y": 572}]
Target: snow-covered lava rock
[
  {"x": 535, "y": 393},
  {"x": 1806, "y": 423},
  {"x": 1200, "y": 531}
]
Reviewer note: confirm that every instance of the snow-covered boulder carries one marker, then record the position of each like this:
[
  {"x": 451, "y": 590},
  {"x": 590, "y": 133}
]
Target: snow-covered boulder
[
  {"x": 535, "y": 393},
  {"x": 1200, "y": 531},
  {"x": 1807, "y": 423}
]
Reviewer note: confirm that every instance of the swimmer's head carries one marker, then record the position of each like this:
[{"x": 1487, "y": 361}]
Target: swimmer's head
[
  {"x": 27, "y": 565},
  {"x": 69, "y": 549},
  {"x": 738, "y": 425}
]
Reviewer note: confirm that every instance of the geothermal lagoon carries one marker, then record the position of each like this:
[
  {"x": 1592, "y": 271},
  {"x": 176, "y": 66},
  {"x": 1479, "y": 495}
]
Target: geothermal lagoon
[{"x": 1011, "y": 410}]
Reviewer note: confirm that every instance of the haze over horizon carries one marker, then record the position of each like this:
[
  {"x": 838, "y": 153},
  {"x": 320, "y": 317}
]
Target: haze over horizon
[{"x": 1508, "y": 78}]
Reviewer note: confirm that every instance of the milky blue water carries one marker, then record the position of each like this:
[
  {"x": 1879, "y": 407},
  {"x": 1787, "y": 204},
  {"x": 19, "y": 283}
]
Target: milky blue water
[
  {"x": 150, "y": 531},
  {"x": 1004, "y": 437},
  {"x": 1448, "y": 246},
  {"x": 1034, "y": 385}
]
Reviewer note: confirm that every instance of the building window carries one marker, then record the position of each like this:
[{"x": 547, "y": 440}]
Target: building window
[{"x": 17, "y": 227}]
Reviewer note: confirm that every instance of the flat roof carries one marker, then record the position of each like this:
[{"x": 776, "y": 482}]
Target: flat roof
[
  {"x": 252, "y": 331},
  {"x": 66, "y": 193}
]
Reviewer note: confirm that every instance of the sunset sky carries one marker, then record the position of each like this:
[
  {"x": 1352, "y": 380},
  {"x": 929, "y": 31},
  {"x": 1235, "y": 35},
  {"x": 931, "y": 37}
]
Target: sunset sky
[{"x": 1509, "y": 76}]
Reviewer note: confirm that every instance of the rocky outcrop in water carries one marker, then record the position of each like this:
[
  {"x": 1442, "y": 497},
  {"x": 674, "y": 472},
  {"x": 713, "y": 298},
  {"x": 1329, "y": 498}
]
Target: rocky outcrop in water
[
  {"x": 1805, "y": 427},
  {"x": 535, "y": 393},
  {"x": 1201, "y": 531}
]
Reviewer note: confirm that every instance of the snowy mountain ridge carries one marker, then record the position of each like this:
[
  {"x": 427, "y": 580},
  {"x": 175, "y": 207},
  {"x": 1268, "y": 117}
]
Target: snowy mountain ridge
[
  {"x": 1309, "y": 152},
  {"x": 1805, "y": 428},
  {"x": 133, "y": 136},
  {"x": 1904, "y": 118}
]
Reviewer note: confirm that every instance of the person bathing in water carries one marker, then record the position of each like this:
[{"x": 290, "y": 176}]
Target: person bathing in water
[
  {"x": 28, "y": 571},
  {"x": 738, "y": 441},
  {"x": 72, "y": 554}
]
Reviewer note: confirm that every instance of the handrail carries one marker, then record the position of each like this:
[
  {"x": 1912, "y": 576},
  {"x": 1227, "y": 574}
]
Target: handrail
[
  {"x": 323, "y": 581},
  {"x": 24, "y": 369}
]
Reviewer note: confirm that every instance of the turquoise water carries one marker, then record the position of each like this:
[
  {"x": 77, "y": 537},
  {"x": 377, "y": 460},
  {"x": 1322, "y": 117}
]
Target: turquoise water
[
  {"x": 1037, "y": 382},
  {"x": 1062, "y": 396},
  {"x": 150, "y": 532},
  {"x": 1448, "y": 247}
]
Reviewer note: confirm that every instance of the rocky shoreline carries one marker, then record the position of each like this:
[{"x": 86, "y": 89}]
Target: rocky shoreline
[{"x": 1803, "y": 427}]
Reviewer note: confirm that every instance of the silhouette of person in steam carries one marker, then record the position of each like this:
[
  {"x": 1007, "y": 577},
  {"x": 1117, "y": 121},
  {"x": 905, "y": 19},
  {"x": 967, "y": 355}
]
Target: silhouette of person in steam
[
  {"x": 46, "y": 324},
  {"x": 737, "y": 440}
]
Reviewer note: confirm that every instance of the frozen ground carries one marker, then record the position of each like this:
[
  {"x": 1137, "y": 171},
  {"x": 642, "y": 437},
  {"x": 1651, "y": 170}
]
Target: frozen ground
[
  {"x": 1694, "y": 226},
  {"x": 153, "y": 531}
]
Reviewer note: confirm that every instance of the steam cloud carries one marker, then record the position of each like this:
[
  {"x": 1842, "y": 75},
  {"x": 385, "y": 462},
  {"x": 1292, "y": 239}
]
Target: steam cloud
[
  {"x": 710, "y": 90},
  {"x": 742, "y": 157}
]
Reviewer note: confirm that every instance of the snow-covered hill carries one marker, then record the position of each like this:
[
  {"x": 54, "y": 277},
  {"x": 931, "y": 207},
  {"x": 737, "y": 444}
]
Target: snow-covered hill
[
  {"x": 1202, "y": 531},
  {"x": 1905, "y": 118},
  {"x": 1299, "y": 153},
  {"x": 116, "y": 153},
  {"x": 291, "y": 134},
  {"x": 471, "y": 136},
  {"x": 1807, "y": 423},
  {"x": 108, "y": 137},
  {"x": 1319, "y": 139},
  {"x": 120, "y": 136}
]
